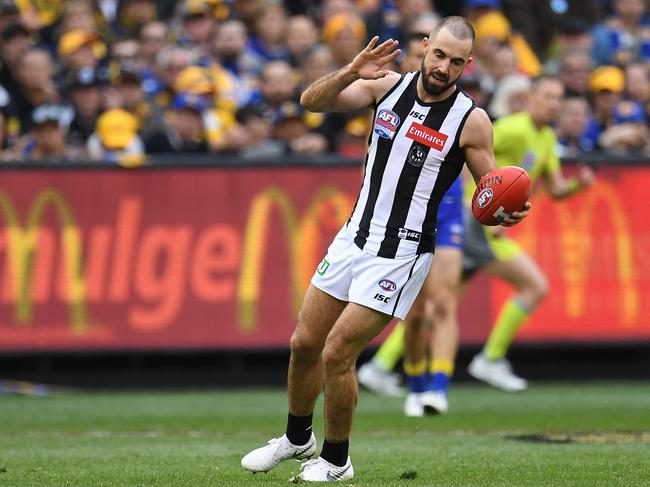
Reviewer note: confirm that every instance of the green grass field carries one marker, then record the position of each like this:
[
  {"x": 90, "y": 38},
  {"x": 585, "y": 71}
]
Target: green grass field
[{"x": 599, "y": 433}]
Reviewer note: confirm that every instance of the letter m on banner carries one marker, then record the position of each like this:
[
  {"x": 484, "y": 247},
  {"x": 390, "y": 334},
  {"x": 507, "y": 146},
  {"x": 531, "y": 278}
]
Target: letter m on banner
[{"x": 22, "y": 244}]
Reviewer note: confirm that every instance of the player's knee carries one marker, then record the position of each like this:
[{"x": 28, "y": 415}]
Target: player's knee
[
  {"x": 537, "y": 290},
  {"x": 304, "y": 346},
  {"x": 336, "y": 356}
]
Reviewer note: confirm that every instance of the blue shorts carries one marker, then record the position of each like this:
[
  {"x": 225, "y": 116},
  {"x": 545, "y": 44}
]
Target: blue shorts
[{"x": 450, "y": 230}]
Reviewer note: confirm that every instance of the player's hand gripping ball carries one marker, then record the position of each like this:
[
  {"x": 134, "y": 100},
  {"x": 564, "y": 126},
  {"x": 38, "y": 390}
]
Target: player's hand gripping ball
[{"x": 499, "y": 193}]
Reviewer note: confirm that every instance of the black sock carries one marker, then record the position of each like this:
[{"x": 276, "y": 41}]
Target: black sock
[
  {"x": 299, "y": 429},
  {"x": 336, "y": 453}
]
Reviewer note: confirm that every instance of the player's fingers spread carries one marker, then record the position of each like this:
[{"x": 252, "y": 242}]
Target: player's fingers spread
[
  {"x": 393, "y": 55},
  {"x": 379, "y": 50},
  {"x": 372, "y": 44}
]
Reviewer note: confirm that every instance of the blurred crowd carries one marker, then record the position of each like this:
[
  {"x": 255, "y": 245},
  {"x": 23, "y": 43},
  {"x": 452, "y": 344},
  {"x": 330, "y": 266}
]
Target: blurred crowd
[{"x": 116, "y": 80}]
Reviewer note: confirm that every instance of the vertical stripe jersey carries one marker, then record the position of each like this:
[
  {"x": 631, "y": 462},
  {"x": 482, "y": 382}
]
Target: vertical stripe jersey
[{"x": 413, "y": 157}]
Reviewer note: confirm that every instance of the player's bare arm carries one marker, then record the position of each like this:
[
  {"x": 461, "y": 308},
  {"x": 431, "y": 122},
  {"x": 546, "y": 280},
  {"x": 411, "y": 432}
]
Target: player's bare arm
[
  {"x": 477, "y": 141},
  {"x": 559, "y": 187},
  {"x": 357, "y": 85}
]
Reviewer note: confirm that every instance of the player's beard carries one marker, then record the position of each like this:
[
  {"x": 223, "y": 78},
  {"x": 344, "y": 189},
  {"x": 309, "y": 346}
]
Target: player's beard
[{"x": 435, "y": 90}]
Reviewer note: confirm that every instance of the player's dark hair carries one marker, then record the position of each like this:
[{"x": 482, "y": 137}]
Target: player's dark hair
[{"x": 458, "y": 26}]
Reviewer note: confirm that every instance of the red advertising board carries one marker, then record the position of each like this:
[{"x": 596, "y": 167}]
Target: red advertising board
[{"x": 220, "y": 257}]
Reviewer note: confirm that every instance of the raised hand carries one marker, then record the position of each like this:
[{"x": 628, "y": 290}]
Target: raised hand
[{"x": 368, "y": 63}]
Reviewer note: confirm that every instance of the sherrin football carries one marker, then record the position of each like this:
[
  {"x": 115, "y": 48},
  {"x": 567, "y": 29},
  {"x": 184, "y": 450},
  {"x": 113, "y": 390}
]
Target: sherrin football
[{"x": 499, "y": 193}]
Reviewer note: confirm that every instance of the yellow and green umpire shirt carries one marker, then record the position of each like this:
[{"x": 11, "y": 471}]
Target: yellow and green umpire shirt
[{"x": 518, "y": 142}]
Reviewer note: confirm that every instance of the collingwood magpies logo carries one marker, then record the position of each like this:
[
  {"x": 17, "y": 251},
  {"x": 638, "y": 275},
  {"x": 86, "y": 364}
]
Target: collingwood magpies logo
[{"x": 417, "y": 155}]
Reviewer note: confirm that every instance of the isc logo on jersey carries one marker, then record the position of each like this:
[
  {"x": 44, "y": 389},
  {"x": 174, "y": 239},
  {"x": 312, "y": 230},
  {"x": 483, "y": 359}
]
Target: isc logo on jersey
[{"x": 386, "y": 124}]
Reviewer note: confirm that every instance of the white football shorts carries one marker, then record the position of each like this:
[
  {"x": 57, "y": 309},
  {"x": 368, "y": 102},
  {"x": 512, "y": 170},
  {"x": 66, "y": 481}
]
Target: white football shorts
[{"x": 386, "y": 285}]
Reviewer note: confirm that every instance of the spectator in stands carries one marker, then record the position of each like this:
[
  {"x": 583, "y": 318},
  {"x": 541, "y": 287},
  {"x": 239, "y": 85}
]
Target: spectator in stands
[
  {"x": 116, "y": 139},
  {"x": 510, "y": 96},
  {"x": 198, "y": 24},
  {"x": 129, "y": 95},
  {"x": 80, "y": 49},
  {"x": 624, "y": 37},
  {"x": 571, "y": 127},
  {"x": 606, "y": 85},
  {"x": 125, "y": 50},
  {"x": 259, "y": 133},
  {"x": 85, "y": 96},
  {"x": 574, "y": 70},
  {"x": 15, "y": 41},
  {"x": 36, "y": 85},
  {"x": 133, "y": 14},
  {"x": 573, "y": 34},
  {"x": 345, "y": 34},
  {"x": 318, "y": 62},
  {"x": 45, "y": 141},
  {"x": 302, "y": 36},
  {"x": 637, "y": 84},
  {"x": 9, "y": 14},
  {"x": 183, "y": 130},
  {"x": 170, "y": 62},
  {"x": 628, "y": 133},
  {"x": 78, "y": 15},
  {"x": 269, "y": 39},
  {"x": 493, "y": 30},
  {"x": 153, "y": 37},
  {"x": 231, "y": 52},
  {"x": 39, "y": 15}
]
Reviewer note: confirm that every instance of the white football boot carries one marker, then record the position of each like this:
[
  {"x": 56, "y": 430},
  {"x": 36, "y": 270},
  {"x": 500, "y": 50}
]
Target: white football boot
[
  {"x": 277, "y": 450},
  {"x": 379, "y": 381},
  {"x": 320, "y": 470},
  {"x": 497, "y": 373},
  {"x": 413, "y": 407},
  {"x": 434, "y": 402}
]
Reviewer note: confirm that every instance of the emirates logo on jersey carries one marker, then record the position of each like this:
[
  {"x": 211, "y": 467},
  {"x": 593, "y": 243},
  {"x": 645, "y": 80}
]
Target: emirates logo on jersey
[{"x": 429, "y": 137}]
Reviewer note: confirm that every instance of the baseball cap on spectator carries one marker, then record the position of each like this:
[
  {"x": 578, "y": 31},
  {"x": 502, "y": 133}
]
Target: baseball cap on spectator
[
  {"x": 14, "y": 29},
  {"x": 607, "y": 78},
  {"x": 116, "y": 128},
  {"x": 358, "y": 126},
  {"x": 191, "y": 101},
  {"x": 74, "y": 40},
  {"x": 342, "y": 21},
  {"x": 8, "y": 7},
  {"x": 52, "y": 113},
  {"x": 492, "y": 24},
  {"x": 629, "y": 111},
  {"x": 191, "y": 8},
  {"x": 482, "y": 3},
  {"x": 194, "y": 79}
]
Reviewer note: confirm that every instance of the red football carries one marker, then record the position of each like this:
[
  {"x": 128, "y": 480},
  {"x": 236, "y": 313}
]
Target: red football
[{"x": 499, "y": 193}]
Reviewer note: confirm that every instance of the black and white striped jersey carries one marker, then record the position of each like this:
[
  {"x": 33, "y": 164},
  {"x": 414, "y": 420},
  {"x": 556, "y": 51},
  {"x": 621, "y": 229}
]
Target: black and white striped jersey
[{"x": 413, "y": 158}]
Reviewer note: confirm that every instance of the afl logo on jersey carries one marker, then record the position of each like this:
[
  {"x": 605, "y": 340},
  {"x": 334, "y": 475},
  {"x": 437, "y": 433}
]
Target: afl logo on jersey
[
  {"x": 387, "y": 285},
  {"x": 484, "y": 197},
  {"x": 417, "y": 155},
  {"x": 386, "y": 124}
]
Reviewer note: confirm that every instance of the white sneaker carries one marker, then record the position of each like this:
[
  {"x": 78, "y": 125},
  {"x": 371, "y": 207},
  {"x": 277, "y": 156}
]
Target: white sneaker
[
  {"x": 277, "y": 450},
  {"x": 320, "y": 470},
  {"x": 497, "y": 373},
  {"x": 379, "y": 381},
  {"x": 434, "y": 402},
  {"x": 413, "y": 407}
]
